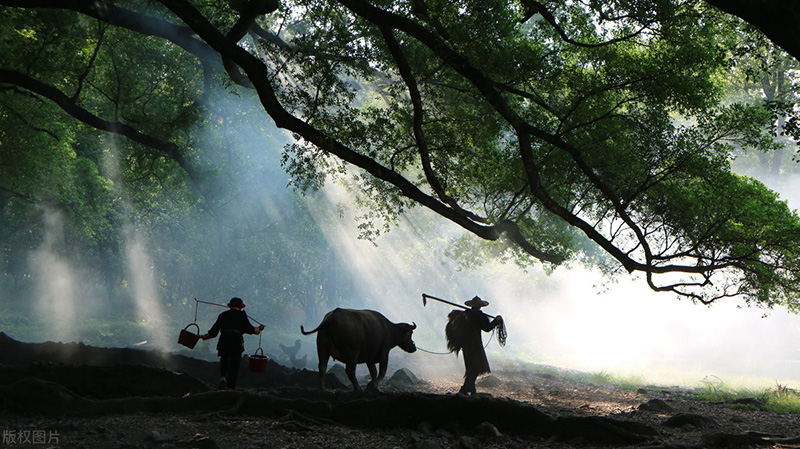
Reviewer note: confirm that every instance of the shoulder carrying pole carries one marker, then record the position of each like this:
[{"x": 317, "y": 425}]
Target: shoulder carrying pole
[
  {"x": 218, "y": 305},
  {"x": 426, "y": 296}
]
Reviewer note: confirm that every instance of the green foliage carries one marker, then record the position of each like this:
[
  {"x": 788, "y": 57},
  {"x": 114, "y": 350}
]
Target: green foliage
[
  {"x": 617, "y": 105},
  {"x": 199, "y": 223},
  {"x": 594, "y": 132}
]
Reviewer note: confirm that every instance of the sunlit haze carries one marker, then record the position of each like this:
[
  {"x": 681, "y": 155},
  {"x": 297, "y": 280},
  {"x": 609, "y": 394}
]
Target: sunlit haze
[{"x": 572, "y": 318}]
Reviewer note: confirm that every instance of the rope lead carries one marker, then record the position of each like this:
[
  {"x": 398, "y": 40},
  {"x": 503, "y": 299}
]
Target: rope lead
[
  {"x": 501, "y": 333},
  {"x": 501, "y": 338}
]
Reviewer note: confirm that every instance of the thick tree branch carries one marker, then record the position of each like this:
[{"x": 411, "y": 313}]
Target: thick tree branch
[
  {"x": 258, "y": 74},
  {"x": 247, "y": 19},
  {"x": 487, "y": 88},
  {"x": 212, "y": 45},
  {"x": 523, "y": 129}
]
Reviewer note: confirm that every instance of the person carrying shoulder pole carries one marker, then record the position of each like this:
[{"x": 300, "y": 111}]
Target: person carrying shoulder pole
[
  {"x": 463, "y": 332},
  {"x": 231, "y": 325}
]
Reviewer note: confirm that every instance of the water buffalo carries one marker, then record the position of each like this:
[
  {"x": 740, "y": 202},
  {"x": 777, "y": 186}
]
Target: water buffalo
[{"x": 359, "y": 336}]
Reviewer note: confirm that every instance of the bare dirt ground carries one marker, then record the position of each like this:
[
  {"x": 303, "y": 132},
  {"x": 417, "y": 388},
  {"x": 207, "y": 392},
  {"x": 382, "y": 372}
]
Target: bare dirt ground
[
  {"x": 68, "y": 395},
  {"x": 554, "y": 395},
  {"x": 728, "y": 426}
]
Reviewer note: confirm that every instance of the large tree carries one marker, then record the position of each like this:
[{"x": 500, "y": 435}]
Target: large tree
[{"x": 562, "y": 127}]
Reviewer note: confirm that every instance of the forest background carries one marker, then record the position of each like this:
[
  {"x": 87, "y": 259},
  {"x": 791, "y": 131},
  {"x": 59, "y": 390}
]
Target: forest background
[{"x": 108, "y": 239}]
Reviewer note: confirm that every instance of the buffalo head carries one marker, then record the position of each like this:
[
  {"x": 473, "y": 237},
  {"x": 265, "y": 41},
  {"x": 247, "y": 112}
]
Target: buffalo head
[{"x": 406, "y": 342}]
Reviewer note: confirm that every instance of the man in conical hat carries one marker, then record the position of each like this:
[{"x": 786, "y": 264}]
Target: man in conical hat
[{"x": 463, "y": 332}]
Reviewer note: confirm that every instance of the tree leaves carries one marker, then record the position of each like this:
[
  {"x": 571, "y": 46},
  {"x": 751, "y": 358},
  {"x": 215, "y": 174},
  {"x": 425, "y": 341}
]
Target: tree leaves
[{"x": 548, "y": 124}]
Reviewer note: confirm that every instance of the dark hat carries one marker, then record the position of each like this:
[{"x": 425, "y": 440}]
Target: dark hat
[
  {"x": 236, "y": 302},
  {"x": 476, "y": 303}
]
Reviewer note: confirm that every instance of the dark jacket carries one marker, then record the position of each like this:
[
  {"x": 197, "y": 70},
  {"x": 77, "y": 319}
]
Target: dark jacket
[
  {"x": 463, "y": 332},
  {"x": 232, "y": 324}
]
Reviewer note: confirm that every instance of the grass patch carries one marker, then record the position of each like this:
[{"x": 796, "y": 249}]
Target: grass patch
[
  {"x": 784, "y": 400},
  {"x": 778, "y": 399}
]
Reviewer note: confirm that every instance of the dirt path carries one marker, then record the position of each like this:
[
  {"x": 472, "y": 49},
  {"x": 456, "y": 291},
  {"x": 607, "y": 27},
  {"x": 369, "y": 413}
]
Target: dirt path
[
  {"x": 291, "y": 429},
  {"x": 56, "y": 395}
]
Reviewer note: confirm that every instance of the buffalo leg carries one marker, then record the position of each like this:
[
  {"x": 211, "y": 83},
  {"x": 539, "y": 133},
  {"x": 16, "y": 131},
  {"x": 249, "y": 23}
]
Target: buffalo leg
[
  {"x": 373, "y": 374},
  {"x": 323, "y": 353},
  {"x": 350, "y": 369},
  {"x": 323, "y": 367},
  {"x": 382, "y": 372}
]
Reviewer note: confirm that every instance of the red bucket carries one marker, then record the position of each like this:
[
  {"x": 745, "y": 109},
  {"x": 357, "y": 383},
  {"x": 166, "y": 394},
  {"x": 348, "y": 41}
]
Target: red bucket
[
  {"x": 258, "y": 363},
  {"x": 187, "y": 338}
]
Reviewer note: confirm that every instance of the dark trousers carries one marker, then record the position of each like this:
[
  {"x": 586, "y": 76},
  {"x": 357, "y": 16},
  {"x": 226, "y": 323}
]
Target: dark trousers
[{"x": 229, "y": 368}]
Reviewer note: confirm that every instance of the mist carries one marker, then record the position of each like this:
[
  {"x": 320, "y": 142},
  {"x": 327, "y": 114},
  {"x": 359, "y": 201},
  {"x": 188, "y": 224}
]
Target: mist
[
  {"x": 58, "y": 297},
  {"x": 571, "y": 318}
]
